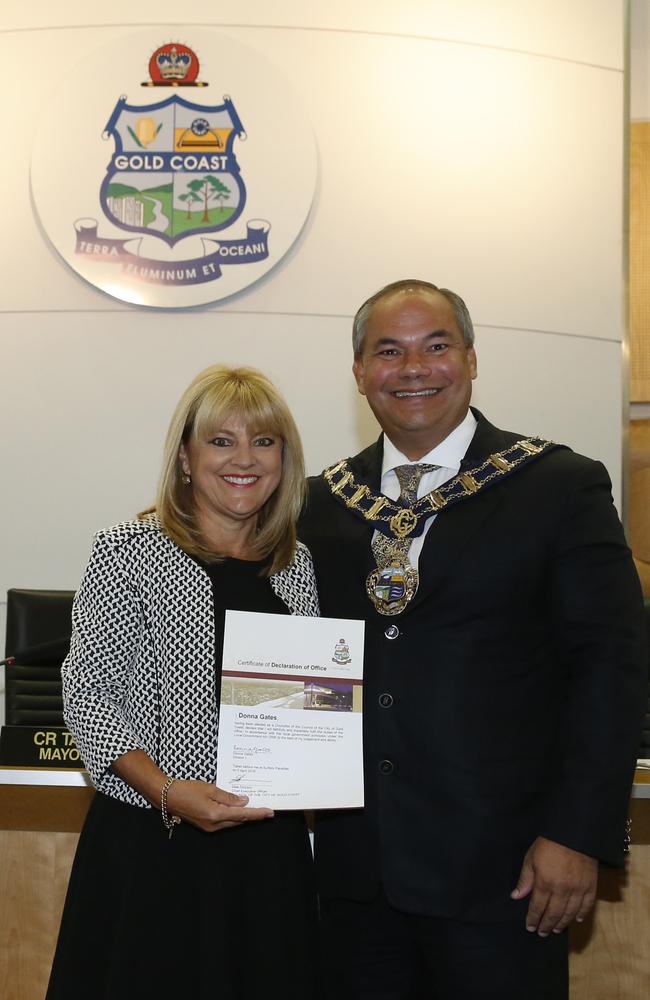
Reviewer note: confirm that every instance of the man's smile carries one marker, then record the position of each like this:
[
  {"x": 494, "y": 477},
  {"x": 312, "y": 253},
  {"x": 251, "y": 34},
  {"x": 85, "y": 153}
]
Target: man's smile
[{"x": 408, "y": 393}]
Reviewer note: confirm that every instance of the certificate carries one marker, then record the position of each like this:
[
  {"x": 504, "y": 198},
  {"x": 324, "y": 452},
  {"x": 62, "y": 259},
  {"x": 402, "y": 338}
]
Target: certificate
[{"x": 290, "y": 720}]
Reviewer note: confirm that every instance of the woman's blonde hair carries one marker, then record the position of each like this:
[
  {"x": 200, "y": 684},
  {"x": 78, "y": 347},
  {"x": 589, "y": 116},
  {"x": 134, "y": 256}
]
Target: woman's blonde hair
[{"x": 214, "y": 395}]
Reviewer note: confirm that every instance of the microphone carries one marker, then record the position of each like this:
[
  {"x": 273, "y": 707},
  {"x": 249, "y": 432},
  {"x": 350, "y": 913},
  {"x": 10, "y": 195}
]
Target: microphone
[{"x": 53, "y": 651}]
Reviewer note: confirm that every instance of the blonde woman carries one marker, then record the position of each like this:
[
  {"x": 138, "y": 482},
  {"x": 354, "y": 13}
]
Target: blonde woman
[{"x": 226, "y": 904}]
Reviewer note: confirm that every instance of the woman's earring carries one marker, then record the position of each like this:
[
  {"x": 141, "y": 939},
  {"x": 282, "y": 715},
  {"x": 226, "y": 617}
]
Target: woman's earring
[{"x": 185, "y": 479}]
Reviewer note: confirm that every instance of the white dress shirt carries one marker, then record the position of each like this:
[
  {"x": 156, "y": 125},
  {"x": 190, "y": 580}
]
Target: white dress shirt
[{"x": 448, "y": 455}]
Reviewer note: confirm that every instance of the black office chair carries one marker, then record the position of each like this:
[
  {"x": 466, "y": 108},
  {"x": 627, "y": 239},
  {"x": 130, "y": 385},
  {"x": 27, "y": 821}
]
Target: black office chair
[{"x": 38, "y": 638}]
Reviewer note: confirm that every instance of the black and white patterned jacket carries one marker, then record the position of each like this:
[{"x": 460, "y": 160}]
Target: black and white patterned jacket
[{"x": 141, "y": 669}]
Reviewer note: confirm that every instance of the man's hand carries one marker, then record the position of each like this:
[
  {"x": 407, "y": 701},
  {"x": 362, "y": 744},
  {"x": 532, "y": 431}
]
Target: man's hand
[{"x": 563, "y": 886}]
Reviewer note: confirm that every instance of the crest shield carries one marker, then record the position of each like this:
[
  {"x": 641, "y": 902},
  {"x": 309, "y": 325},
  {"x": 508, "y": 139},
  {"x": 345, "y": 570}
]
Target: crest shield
[{"x": 173, "y": 173}]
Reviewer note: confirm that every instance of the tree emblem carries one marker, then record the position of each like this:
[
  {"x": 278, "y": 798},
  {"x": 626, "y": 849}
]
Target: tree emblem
[{"x": 209, "y": 187}]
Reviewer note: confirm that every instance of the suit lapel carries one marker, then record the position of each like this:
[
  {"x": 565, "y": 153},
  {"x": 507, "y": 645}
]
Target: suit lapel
[
  {"x": 450, "y": 534},
  {"x": 452, "y": 531},
  {"x": 457, "y": 528},
  {"x": 366, "y": 467}
]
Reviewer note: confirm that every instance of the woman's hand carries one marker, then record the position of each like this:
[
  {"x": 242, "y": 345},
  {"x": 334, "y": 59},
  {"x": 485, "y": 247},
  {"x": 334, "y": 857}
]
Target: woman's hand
[
  {"x": 210, "y": 808},
  {"x": 197, "y": 802}
]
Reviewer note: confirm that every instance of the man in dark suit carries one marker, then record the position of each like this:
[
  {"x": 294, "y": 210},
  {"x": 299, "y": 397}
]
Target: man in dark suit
[{"x": 505, "y": 678}]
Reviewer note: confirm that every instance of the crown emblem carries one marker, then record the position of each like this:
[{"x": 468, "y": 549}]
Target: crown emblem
[{"x": 173, "y": 65}]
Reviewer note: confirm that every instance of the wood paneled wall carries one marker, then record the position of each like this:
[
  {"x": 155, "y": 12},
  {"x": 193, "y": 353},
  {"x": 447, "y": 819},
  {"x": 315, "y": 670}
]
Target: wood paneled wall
[{"x": 640, "y": 262}]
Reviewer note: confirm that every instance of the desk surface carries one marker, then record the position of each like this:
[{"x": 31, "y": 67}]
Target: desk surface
[
  {"x": 37, "y": 799},
  {"x": 57, "y": 800},
  {"x": 49, "y": 808},
  {"x": 73, "y": 778},
  {"x": 76, "y": 778}
]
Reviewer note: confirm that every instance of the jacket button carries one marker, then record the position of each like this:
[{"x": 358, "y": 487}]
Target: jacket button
[
  {"x": 385, "y": 700},
  {"x": 392, "y": 632},
  {"x": 386, "y": 766}
]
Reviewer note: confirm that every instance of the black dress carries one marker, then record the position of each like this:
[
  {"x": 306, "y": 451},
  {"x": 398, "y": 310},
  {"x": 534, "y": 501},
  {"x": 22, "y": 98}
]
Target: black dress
[{"x": 228, "y": 915}]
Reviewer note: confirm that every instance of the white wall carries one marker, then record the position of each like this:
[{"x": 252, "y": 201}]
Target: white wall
[{"x": 475, "y": 143}]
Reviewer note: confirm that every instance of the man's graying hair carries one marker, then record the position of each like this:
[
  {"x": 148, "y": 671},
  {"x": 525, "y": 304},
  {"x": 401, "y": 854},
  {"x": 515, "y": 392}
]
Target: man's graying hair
[{"x": 461, "y": 311}]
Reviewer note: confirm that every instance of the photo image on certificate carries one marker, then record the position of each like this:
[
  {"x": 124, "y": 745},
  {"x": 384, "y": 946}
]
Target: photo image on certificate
[
  {"x": 290, "y": 723},
  {"x": 316, "y": 695}
]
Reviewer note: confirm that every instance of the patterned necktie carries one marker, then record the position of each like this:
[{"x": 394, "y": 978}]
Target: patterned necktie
[{"x": 390, "y": 550}]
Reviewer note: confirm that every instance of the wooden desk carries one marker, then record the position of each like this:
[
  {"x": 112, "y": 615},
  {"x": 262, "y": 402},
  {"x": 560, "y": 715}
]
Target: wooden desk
[
  {"x": 610, "y": 953},
  {"x": 39, "y": 829}
]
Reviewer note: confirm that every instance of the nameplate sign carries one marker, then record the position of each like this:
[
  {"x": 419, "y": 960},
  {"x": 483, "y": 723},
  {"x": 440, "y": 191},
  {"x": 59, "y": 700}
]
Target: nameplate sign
[{"x": 38, "y": 746}]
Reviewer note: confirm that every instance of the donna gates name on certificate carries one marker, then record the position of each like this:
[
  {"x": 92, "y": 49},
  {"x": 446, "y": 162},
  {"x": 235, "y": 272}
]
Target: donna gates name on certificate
[{"x": 290, "y": 720}]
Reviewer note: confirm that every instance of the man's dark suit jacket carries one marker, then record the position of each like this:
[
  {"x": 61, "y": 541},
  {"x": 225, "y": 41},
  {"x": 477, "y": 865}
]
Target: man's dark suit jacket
[{"x": 516, "y": 686}]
